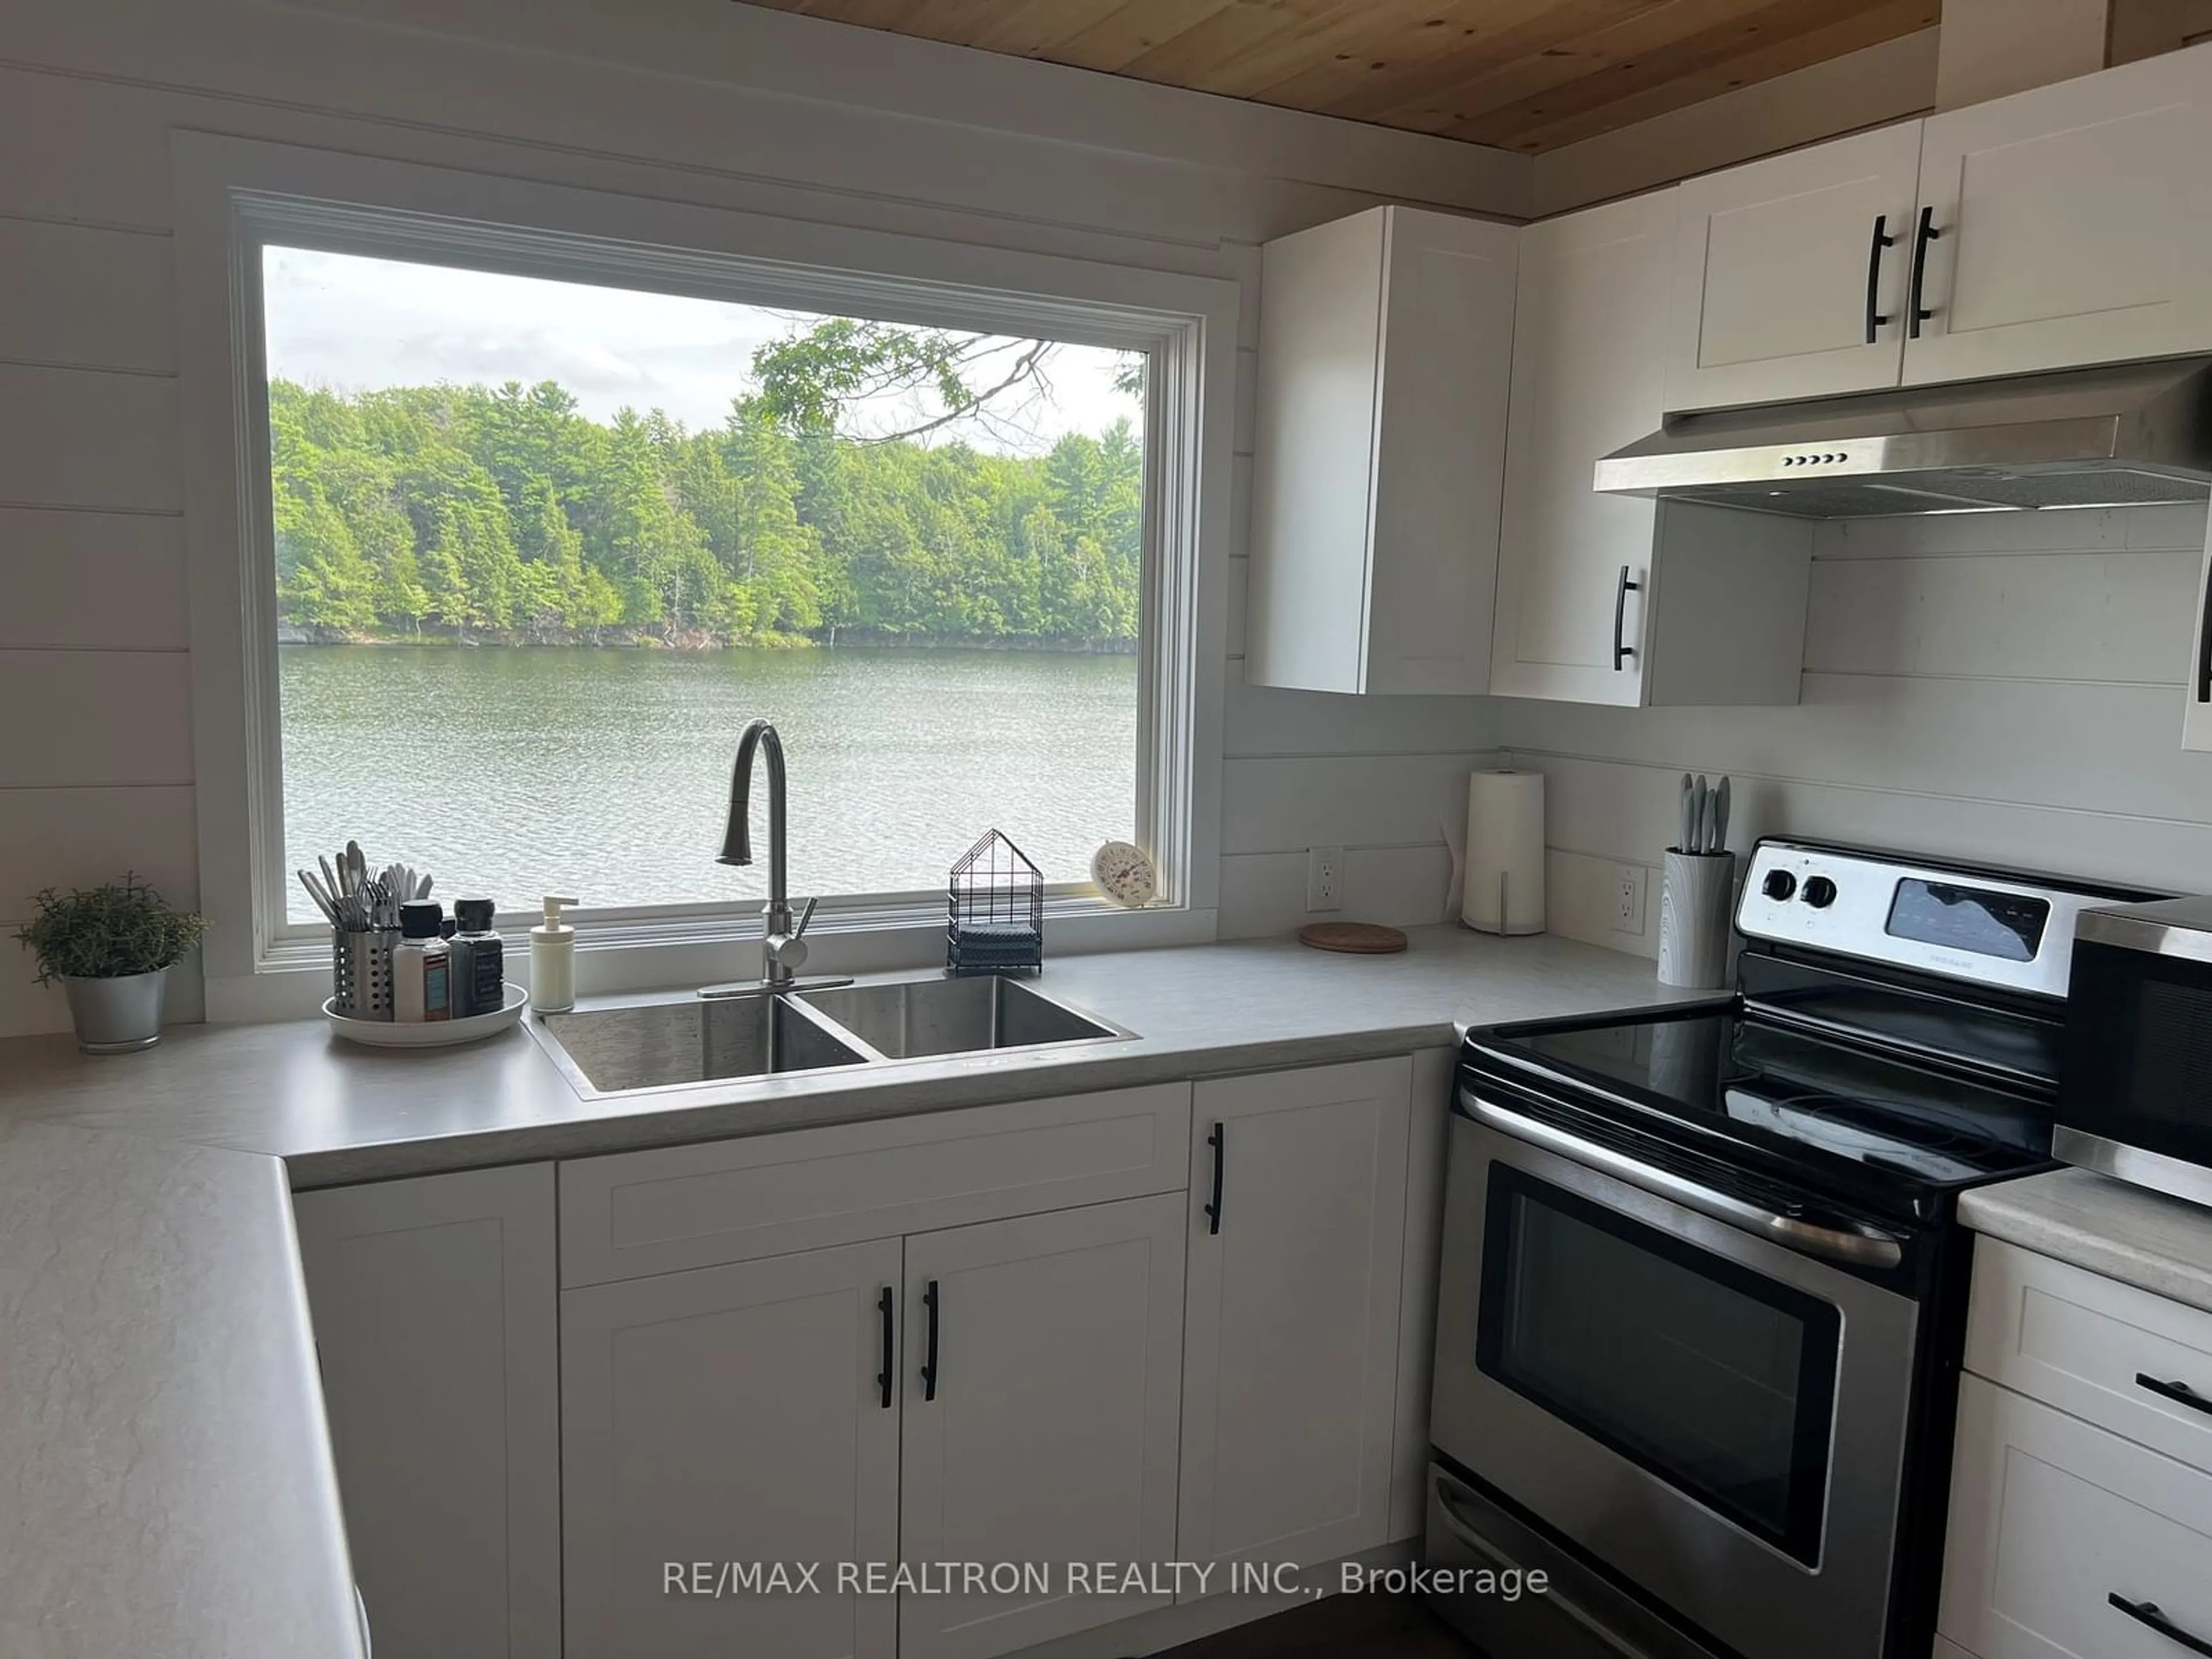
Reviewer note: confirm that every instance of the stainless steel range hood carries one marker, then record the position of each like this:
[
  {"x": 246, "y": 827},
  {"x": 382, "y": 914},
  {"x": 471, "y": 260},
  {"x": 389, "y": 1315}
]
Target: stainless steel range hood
[{"x": 2102, "y": 437}]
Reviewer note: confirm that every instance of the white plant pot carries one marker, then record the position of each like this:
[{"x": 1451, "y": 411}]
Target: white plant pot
[{"x": 117, "y": 1016}]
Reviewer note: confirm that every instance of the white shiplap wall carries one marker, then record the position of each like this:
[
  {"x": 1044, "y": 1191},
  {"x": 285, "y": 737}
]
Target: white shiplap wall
[
  {"x": 698, "y": 100},
  {"x": 2005, "y": 687}
]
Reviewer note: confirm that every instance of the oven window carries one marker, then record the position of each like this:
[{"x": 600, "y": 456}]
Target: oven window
[{"x": 1713, "y": 1377}]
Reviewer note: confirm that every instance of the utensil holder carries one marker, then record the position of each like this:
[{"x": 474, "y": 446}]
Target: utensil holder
[
  {"x": 360, "y": 972},
  {"x": 1694, "y": 892}
]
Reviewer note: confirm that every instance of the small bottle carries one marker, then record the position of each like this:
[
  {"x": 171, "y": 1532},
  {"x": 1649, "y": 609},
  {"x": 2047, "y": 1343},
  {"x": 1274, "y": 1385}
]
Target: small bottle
[
  {"x": 421, "y": 979},
  {"x": 553, "y": 962},
  {"x": 478, "y": 956}
]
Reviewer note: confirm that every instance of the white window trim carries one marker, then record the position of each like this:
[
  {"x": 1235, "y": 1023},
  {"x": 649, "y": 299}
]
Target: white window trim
[{"x": 235, "y": 194}]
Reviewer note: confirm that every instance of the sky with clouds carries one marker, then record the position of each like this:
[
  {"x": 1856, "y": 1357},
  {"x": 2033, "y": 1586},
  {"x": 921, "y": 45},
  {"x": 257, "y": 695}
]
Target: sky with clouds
[{"x": 356, "y": 325}]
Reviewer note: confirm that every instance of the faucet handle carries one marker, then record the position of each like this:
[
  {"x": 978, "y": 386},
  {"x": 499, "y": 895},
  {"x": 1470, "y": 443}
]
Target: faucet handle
[{"x": 804, "y": 916}]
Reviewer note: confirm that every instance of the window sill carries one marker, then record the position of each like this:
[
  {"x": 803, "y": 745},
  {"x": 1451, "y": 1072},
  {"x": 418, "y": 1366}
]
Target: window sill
[{"x": 679, "y": 953}]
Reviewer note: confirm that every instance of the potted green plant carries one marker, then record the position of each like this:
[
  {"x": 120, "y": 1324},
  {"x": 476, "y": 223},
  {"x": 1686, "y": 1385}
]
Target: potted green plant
[{"x": 112, "y": 947}]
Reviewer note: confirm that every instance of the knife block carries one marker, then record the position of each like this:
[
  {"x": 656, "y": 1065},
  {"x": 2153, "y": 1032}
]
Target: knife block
[{"x": 1695, "y": 891}]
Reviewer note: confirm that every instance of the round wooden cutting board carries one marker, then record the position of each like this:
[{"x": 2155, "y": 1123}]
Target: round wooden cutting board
[{"x": 1359, "y": 938}]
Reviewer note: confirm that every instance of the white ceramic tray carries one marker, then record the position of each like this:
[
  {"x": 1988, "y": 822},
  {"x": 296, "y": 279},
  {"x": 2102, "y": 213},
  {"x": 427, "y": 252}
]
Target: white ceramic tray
[{"x": 427, "y": 1034}]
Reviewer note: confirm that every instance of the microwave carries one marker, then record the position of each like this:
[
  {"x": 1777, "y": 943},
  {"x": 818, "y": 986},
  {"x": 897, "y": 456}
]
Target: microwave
[{"x": 2135, "y": 1091}]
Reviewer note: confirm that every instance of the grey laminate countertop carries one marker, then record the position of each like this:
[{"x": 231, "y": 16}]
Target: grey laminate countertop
[
  {"x": 336, "y": 1113},
  {"x": 168, "y": 1482},
  {"x": 2142, "y": 1238},
  {"x": 168, "y": 1472}
]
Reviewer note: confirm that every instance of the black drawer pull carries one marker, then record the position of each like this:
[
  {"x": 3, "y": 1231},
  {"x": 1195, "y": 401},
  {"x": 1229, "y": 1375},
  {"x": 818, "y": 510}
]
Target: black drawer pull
[
  {"x": 2147, "y": 1612},
  {"x": 929, "y": 1359},
  {"x": 2203, "y": 688},
  {"x": 1621, "y": 649},
  {"x": 884, "y": 1376},
  {"x": 1915, "y": 313},
  {"x": 1882, "y": 240},
  {"x": 2180, "y": 1393},
  {"x": 1213, "y": 1204}
]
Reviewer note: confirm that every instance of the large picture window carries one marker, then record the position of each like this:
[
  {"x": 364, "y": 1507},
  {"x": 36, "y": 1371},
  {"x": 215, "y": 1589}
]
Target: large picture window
[
  {"x": 509, "y": 503},
  {"x": 541, "y": 548}
]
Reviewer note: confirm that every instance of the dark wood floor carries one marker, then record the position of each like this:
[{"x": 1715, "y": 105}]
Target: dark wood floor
[{"x": 1338, "y": 1627}]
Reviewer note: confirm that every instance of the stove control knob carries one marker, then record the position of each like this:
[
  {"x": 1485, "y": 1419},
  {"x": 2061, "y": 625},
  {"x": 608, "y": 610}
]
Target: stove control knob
[
  {"x": 1778, "y": 885},
  {"x": 1820, "y": 892}
]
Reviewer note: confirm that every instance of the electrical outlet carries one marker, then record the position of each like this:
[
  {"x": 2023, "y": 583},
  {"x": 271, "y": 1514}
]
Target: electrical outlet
[
  {"x": 1325, "y": 878},
  {"x": 1627, "y": 898}
]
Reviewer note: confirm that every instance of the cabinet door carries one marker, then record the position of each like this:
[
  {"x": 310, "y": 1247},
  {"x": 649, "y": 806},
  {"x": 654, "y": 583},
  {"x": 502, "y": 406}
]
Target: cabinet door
[
  {"x": 1588, "y": 376},
  {"x": 2197, "y": 721},
  {"x": 1384, "y": 345},
  {"x": 434, "y": 1315},
  {"x": 2074, "y": 224},
  {"x": 729, "y": 1415},
  {"x": 1290, "y": 1336},
  {"x": 1789, "y": 274},
  {"x": 1440, "y": 453},
  {"x": 2053, "y": 1519},
  {"x": 1046, "y": 1433}
]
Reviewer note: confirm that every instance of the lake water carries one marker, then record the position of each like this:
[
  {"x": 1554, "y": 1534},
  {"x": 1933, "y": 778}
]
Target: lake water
[{"x": 606, "y": 774}]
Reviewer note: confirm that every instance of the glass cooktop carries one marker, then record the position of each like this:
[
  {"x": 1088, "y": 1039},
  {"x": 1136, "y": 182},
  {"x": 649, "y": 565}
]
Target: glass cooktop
[{"x": 1869, "y": 1120}]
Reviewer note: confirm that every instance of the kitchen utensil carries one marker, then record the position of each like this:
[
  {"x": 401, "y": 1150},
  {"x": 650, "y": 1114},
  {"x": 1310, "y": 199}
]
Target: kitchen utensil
[
  {"x": 1708, "y": 820},
  {"x": 321, "y": 898},
  {"x": 1686, "y": 839},
  {"x": 1697, "y": 815},
  {"x": 1720, "y": 820},
  {"x": 1358, "y": 938},
  {"x": 429, "y": 1033}
]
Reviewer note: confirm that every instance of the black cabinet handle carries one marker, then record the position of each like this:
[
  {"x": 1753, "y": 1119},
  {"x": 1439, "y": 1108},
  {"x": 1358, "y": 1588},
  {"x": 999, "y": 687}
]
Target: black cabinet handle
[
  {"x": 929, "y": 1359},
  {"x": 2204, "y": 687},
  {"x": 1882, "y": 240},
  {"x": 1213, "y": 1204},
  {"x": 2147, "y": 1612},
  {"x": 2180, "y": 1393},
  {"x": 883, "y": 1378},
  {"x": 1620, "y": 593},
  {"x": 1915, "y": 313}
]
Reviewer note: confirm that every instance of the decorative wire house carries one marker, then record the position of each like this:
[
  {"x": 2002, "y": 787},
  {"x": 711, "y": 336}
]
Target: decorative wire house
[{"x": 995, "y": 922}]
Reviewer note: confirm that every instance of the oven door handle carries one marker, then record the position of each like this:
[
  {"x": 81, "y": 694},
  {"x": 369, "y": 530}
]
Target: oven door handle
[{"x": 1856, "y": 1248}]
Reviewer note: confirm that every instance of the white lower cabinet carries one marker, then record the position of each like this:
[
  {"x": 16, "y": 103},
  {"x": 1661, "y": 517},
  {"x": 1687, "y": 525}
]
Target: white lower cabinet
[
  {"x": 1298, "y": 1210},
  {"x": 2068, "y": 1542},
  {"x": 733, "y": 1414},
  {"x": 433, "y": 1303},
  {"x": 1042, "y": 1361}
]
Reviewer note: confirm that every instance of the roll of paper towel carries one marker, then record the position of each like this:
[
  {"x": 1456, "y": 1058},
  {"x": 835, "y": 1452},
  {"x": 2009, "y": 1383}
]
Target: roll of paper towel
[{"x": 1503, "y": 891}]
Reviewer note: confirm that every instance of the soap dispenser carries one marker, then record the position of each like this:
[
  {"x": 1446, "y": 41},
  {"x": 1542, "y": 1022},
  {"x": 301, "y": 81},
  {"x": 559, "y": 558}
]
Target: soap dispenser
[{"x": 553, "y": 961}]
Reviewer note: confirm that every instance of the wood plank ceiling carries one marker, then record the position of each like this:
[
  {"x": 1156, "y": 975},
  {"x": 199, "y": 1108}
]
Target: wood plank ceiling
[{"x": 1523, "y": 74}]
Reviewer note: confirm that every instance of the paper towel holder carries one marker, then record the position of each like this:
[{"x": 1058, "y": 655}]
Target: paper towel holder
[{"x": 1504, "y": 928}]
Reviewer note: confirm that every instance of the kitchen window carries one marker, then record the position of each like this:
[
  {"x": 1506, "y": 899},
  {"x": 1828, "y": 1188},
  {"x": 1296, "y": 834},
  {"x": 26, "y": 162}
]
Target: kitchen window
[{"x": 531, "y": 522}]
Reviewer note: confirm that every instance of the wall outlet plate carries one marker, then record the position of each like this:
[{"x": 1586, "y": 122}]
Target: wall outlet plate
[
  {"x": 1628, "y": 898},
  {"x": 1324, "y": 879}
]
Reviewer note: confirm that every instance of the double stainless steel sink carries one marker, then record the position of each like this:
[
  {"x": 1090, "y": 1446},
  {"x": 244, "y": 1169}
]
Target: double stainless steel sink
[{"x": 659, "y": 1045}]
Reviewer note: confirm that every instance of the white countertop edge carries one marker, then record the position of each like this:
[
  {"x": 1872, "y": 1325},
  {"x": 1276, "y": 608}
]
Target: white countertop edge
[{"x": 2139, "y": 1237}]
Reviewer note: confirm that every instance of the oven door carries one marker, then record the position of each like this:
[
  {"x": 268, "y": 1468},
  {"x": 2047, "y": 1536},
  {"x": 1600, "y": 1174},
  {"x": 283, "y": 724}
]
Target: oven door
[{"x": 1716, "y": 1417}]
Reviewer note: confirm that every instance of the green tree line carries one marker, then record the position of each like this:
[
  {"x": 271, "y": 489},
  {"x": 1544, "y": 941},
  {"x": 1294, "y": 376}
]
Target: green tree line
[{"x": 502, "y": 513}]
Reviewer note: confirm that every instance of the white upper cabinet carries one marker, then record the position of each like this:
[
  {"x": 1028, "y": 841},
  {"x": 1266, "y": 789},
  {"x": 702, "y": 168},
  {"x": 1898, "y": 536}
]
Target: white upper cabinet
[
  {"x": 2062, "y": 227},
  {"x": 1385, "y": 341},
  {"x": 1614, "y": 598},
  {"x": 2073, "y": 224},
  {"x": 1789, "y": 274}
]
